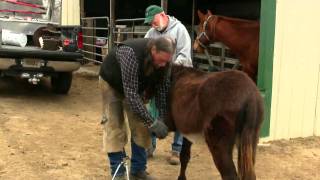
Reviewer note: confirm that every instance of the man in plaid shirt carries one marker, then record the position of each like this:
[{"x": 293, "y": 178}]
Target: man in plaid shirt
[{"x": 130, "y": 71}]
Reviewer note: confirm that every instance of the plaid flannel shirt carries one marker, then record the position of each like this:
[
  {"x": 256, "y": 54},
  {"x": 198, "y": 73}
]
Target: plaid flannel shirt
[{"x": 130, "y": 73}]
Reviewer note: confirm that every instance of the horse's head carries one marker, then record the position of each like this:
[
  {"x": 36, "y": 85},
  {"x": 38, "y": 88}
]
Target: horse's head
[{"x": 205, "y": 34}]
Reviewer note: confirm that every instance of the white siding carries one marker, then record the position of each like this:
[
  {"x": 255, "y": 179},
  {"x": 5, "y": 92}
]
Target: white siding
[
  {"x": 70, "y": 12},
  {"x": 295, "y": 108}
]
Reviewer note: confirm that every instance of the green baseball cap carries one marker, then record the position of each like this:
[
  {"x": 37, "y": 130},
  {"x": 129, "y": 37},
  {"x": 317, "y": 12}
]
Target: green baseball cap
[{"x": 150, "y": 12}]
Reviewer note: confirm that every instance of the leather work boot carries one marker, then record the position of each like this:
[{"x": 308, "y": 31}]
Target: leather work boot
[
  {"x": 174, "y": 159},
  {"x": 150, "y": 152},
  {"x": 142, "y": 175}
]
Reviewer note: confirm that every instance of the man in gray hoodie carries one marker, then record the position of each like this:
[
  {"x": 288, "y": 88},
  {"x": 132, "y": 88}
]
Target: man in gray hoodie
[{"x": 165, "y": 25}]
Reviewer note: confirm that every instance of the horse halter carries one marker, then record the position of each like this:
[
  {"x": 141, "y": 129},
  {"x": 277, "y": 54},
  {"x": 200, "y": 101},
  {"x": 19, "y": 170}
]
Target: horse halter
[{"x": 203, "y": 38}]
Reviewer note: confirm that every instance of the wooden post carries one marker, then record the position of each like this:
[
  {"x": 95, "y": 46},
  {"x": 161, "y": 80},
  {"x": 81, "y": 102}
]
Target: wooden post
[
  {"x": 164, "y": 5},
  {"x": 82, "y": 13},
  {"x": 111, "y": 25},
  {"x": 192, "y": 26}
]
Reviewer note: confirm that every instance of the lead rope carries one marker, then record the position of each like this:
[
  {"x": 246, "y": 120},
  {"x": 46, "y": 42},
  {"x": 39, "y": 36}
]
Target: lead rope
[{"x": 126, "y": 165}]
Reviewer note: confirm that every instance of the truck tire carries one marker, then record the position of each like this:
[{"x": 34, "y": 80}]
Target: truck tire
[{"x": 61, "y": 83}]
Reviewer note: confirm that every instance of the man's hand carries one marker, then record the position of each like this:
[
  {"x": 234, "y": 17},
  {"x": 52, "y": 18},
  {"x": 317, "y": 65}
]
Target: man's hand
[{"x": 159, "y": 129}]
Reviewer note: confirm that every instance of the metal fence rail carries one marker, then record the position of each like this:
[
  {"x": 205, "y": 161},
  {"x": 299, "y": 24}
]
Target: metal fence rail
[
  {"x": 129, "y": 29},
  {"x": 216, "y": 57},
  {"x": 95, "y": 32}
]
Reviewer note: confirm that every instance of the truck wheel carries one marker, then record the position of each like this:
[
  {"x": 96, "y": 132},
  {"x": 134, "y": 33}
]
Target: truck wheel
[{"x": 61, "y": 83}]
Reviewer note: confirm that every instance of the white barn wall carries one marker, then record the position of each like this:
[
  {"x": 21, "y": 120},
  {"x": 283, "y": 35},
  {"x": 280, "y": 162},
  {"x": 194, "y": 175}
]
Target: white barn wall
[
  {"x": 295, "y": 110},
  {"x": 70, "y": 13}
]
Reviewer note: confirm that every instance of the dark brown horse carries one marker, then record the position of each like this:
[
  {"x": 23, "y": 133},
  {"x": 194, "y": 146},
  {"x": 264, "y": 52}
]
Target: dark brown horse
[
  {"x": 222, "y": 108},
  {"x": 241, "y": 36}
]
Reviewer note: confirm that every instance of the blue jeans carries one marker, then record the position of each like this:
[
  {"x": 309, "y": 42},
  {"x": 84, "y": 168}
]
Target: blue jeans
[
  {"x": 178, "y": 138},
  {"x": 138, "y": 160},
  {"x": 176, "y": 144}
]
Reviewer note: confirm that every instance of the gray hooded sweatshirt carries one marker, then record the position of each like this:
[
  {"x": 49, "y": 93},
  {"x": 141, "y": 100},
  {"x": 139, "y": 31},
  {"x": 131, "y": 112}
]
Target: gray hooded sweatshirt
[{"x": 177, "y": 31}]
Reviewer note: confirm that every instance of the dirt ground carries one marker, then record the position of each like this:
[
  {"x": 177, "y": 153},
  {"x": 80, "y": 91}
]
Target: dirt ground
[{"x": 48, "y": 136}]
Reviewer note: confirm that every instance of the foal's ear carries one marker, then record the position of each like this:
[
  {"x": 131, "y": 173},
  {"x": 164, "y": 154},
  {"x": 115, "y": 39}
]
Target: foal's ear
[
  {"x": 200, "y": 14},
  {"x": 209, "y": 12}
]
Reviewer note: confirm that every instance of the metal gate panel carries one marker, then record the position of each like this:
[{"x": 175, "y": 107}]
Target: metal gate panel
[{"x": 95, "y": 32}]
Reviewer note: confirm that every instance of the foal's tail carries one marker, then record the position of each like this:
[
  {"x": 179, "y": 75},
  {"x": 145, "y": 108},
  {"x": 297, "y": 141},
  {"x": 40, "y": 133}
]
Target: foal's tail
[{"x": 249, "y": 124}]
